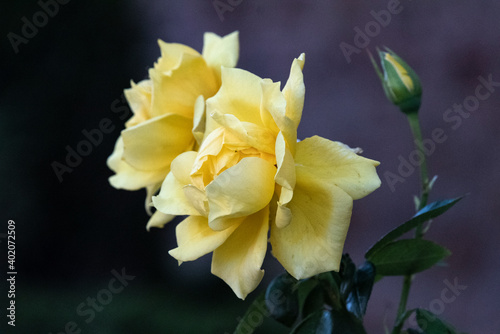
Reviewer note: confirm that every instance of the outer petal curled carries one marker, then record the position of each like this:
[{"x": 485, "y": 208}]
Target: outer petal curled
[{"x": 295, "y": 90}]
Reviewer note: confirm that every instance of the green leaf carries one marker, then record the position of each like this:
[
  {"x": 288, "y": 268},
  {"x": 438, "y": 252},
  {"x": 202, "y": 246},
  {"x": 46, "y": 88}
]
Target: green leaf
[
  {"x": 347, "y": 274},
  {"x": 247, "y": 325},
  {"x": 414, "y": 331},
  {"x": 428, "y": 212},
  {"x": 330, "y": 278},
  {"x": 331, "y": 282},
  {"x": 363, "y": 282},
  {"x": 346, "y": 323},
  {"x": 319, "y": 322},
  {"x": 281, "y": 299},
  {"x": 304, "y": 289},
  {"x": 431, "y": 324},
  {"x": 407, "y": 257},
  {"x": 316, "y": 300},
  {"x": 324, "y": 321}
]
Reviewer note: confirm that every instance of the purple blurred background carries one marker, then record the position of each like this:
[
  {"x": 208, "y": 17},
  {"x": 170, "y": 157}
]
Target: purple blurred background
[
  {"x": 449, "y": 44},
  {"x": 87, "y": 228}
]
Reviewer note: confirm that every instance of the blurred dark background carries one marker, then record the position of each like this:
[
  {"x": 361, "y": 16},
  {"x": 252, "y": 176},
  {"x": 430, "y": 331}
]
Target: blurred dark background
[{"x": 70, "y": 74}]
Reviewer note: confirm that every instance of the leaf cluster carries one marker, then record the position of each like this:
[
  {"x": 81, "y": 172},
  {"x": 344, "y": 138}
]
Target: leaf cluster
[{"x": 335, "y": 302}]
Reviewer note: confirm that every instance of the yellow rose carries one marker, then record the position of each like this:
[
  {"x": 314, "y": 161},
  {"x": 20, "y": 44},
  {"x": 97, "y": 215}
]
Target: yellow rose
[
  {"x": 168, "y": 113},
  {"x": 250, "y": 178}
]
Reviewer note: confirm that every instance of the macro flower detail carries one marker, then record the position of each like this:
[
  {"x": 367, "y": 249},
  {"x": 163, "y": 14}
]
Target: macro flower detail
[
  {"x": 168, "y": 113},
  {"x": 251, "y": 178}
]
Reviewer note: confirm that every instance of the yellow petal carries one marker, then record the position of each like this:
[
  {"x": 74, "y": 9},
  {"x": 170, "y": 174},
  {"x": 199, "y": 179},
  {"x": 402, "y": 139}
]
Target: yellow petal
[
  {"x": 177, "y": 91},
  {"x": 197, "y": 198},
  {"x": 171, "y": 55},
  {"x": 127, "y": 177},
  {"x": 158, "y": 220},
  {"x": 139, "y": 99},
  {"x": 172, "y": 199},
  {"x": 181, "y": 166},
  {"x": 336, "y": 164},
  {"x": 195, "y": 238},
  {"x": 150, "y": 191},
  {"x": 239, "y": 259},
  {"x": 240, "y": 191},
  {"x": 274, "y": 103},
  {"x": 199, "y": 120},
  {"x": 312, "y": 242},
  {"x": 294, "y": 90},
  {"x": 239, "y": 95},
  {"x": 251, "y": 134},
  {"x": 219, "y": 51},
  {"x": 283, "y": 216},
  {"x": 285, "y": 175},
  {"x": 152, "y": 145}
]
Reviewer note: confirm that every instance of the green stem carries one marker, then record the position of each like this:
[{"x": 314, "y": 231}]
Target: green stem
[
  {"x": 402, "y": 304},
  {"x": 424, "y": 176},
  {"x": 424, "y": 195}
]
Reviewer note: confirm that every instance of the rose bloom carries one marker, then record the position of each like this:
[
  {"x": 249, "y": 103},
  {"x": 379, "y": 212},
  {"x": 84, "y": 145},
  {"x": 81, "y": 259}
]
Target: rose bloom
[
  {"x": 165, "y": 123},
  {"x": 251, "y": 178}
]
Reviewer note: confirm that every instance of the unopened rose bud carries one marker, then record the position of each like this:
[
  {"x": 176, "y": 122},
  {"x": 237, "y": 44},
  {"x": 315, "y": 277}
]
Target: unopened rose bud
[{"x": 401, "y": 84}]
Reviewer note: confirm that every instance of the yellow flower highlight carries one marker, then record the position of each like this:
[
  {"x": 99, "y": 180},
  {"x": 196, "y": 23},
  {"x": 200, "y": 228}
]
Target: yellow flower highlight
[
  {"x": 401, "y": 71},
  {"x": 251, "y": 178},
  {"x": 169, "y": 116}
]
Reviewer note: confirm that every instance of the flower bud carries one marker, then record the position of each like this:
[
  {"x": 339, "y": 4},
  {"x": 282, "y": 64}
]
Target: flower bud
[{"x": 401, "y": 84}]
